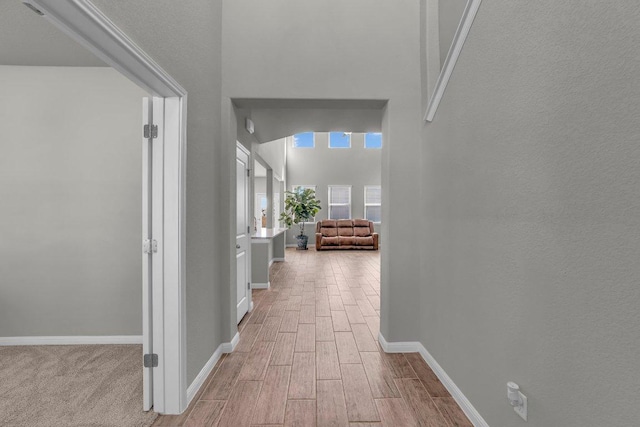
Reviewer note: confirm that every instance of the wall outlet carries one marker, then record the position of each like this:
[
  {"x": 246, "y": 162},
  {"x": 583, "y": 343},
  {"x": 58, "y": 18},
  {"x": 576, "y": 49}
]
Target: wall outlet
[{"x": 522, "y": 409}]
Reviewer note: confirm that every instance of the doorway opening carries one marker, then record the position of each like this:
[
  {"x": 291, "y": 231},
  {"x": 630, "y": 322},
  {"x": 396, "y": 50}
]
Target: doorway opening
[{"x": 159, "y": 242}]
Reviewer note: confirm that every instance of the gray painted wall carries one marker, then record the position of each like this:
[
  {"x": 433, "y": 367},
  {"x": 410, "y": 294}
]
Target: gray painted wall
[
  {"x": 338, "y": 57},
  {"x": 70, "y": 185},
  {"x": 449, "y": 14},
  {"x": 186, "y": 42},
  {"x": 531, "y": 231},
  {"x": 323, "y": 166},
  {"x": 274, "y": 154}
]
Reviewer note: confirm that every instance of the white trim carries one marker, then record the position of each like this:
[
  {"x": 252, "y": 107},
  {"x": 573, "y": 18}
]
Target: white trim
[
  {"x": 280, "y": 259},
  {"x": 72, "y": 340},
  {"x": 295, "y": 245},
  {"x": 329, "y": 204},
  {"x": 470, "y": 11},
  {"x": 398, "y": 347},
  {"x": 293, "y": 140},
  {"x": 417, "y": 347},
  {"x": 202, "y": 376},
  {"x": 366, "y": 205},
  {"x": 255, "y": 285},
  {"x": 364, "y": 144},
  {"x": 338, "y": 148},
  {"x": 229, "y": 347},
  {"x": 271, "y": 261},
  {"x": 87, "y": 25}
]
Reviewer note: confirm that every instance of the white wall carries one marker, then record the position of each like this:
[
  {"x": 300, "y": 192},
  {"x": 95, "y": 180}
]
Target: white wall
[
  {"x": 70, "y": 185},
  {"x": 531, "y": 226},
  {"x": 323, "y": 166},
  {"x": 273, "y": 153}
]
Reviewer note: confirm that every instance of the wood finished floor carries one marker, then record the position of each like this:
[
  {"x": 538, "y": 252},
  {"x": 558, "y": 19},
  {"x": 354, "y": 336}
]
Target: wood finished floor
[{"x": 309, "y": 355}]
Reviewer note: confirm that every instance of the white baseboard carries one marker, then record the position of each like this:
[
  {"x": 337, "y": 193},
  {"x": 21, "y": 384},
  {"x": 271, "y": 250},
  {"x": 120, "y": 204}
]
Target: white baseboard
[
  {"x": 277, "y": 260},
  {"x": 72, "y": 340},
  {"x": 255, "y": 285},
  {"x": 202, "y": 376},
  {"x": 417, "y": 347},
  {"x": 271, "y": 262},
  {"x": 228, "y": 347},
  {"x": 294, "y": 245}
]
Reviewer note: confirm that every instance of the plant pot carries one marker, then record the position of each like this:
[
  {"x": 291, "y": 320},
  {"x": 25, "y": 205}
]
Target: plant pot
[{"x": 302, "y": 242}]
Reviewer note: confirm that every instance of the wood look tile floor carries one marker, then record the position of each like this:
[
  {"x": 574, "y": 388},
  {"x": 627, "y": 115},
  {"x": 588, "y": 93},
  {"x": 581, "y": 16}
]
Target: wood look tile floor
[{"x": 309, "y": 356}]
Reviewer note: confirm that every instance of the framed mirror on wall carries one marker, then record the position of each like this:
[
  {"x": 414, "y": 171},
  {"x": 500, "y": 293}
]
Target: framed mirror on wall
[{"x": 448, "y": 23}]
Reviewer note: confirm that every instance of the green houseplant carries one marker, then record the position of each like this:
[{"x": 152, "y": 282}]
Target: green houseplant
[{"x": 300, "y": 206}]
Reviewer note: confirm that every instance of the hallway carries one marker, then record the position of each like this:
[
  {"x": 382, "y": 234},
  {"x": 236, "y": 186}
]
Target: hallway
[{"x": 309, "y": 355}]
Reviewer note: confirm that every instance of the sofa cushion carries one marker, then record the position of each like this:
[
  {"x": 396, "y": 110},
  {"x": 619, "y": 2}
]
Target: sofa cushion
[
  {"x": 329, "y": 231},
  {"x": 363, "y": 241},
  {"x": 345, "y": 231},
  {"x": 347, "y": 240},
  {"x": 328, "y": 223},
  {"x": 361, "y": 231},
  {"x": 330, "y": 241},
  {"x": 345, "y": 223},
  {"x": 361, "y": 223}
]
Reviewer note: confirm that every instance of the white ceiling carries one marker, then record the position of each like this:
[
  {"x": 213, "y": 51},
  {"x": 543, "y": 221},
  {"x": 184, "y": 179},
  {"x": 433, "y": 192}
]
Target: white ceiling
[{"x": 29, "y": 39}]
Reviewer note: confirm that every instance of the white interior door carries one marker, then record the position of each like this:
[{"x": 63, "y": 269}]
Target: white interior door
[
  {"x": 243, "y": 237},
  {"x": 152, "y": 252},
  {"x": 147, "y": 320}
]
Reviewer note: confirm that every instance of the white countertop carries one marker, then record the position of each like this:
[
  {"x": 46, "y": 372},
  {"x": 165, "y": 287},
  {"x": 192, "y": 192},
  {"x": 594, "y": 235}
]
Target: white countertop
[{"x": 267, "y": 233}]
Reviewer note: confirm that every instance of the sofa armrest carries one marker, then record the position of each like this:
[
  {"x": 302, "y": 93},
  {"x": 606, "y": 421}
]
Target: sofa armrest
[
  {"x": 375, "y": 241},
  {"x": 318, "y": 241}
]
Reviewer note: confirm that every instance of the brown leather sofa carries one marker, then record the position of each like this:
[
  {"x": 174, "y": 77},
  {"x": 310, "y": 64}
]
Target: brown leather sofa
[{"x": 346, "y": 234}]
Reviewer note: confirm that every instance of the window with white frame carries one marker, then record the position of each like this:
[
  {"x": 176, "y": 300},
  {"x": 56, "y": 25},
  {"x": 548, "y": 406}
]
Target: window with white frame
[
  {"x": 373, "y": 140},
  {"x": 339, "y": 202},
  {"x": 339, "y": 139},
  {"x": 304, "y": 140},
  {"x": 304, "y": 187},
  {"x": 373, "y": 203}
]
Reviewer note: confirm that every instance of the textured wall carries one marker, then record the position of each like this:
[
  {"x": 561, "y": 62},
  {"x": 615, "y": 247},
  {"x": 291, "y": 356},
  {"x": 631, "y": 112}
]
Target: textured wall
[
  {"x": 340, "y": 50},
  {"x": 185, "y": 40},
  {"x": 532, "y": 214},
  {"x": 71, "y": 191}
]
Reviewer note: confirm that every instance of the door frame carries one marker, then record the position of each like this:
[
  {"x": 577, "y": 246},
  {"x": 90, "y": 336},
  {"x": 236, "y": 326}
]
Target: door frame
[
  {"x": 87, "y": 25},
  {"x": 249, "y": 189}
]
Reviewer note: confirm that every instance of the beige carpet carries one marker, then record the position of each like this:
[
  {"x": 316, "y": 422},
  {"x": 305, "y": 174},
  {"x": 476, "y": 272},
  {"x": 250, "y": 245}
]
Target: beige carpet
[{"x": 72, "y": 386}]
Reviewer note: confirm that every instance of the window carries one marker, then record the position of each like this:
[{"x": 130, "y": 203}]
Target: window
[
  {"x": 304, "y": 140},
  {"x": 339, "y": 139},
  {"x": 373, "y": 203},
  {"x": 339, "y": 202},
  {"x": 373, "y": 140},
  {"x": 304, "y": 187}
]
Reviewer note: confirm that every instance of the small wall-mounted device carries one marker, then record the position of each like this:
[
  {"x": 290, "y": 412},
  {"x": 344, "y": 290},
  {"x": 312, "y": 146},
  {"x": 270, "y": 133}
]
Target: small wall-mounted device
[
  {"x": 517, "y": 399},
  {"x": 248, "y": 123}
]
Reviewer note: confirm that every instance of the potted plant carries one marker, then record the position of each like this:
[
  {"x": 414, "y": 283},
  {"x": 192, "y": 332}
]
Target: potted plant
[{"x": 300, "y": 206}]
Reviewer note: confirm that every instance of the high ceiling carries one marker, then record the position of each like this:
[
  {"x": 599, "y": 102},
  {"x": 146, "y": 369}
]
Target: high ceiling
[{"x": 29, "y": 39}]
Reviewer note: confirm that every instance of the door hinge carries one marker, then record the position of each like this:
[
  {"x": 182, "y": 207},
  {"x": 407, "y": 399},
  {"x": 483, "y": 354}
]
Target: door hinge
[
  {"x": 150, "y": 360},
  {"x": 248, "y": 229},
  {"x": 149, "y": 246},
  {"x": 249, "y": 172},
  {"x": 248, "y": 285},
  {"x": 151, "y": 131}
]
